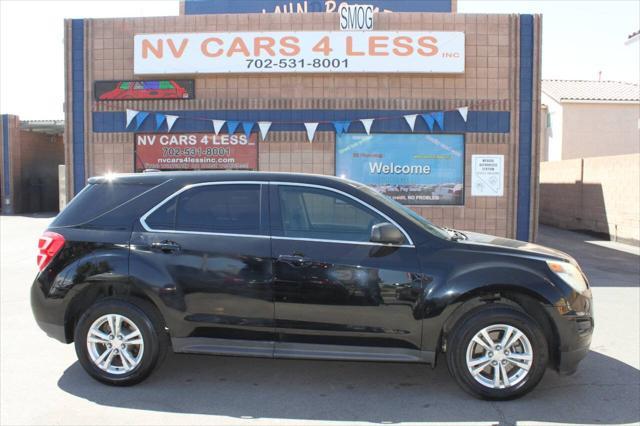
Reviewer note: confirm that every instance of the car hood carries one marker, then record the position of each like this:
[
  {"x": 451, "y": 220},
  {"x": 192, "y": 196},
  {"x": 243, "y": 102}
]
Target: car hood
[{"x": 514, "y": 245}]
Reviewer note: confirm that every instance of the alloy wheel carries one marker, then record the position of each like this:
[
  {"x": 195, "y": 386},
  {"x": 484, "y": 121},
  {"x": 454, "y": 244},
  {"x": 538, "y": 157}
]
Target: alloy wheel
[
  {"x": 499, "y": 356},
  {"x": 115, "y": 344}
]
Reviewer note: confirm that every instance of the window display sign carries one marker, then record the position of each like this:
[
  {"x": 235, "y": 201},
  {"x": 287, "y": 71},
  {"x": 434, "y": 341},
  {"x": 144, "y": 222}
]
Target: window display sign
[
  {"x": 140, "y": 90},
  {"x": 195, "y": 151},
  {"x": 300, "y": 52},
  {"x": 413, "y": 169}
]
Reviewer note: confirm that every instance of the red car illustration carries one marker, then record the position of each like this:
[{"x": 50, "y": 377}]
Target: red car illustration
[{"x": 164, "y": 89}]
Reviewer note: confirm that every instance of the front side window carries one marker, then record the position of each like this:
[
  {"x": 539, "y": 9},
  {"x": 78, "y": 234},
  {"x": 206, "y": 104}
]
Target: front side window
[
  {"x": 321, "y": 214},
  {"x": 226, "y": 209}
]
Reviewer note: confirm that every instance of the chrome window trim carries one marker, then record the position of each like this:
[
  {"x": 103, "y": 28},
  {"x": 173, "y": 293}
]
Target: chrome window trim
[
  {"x": 366, "y": 205},
  {"x": 143, "y": 219},
  {"x": 357, "y": 243},
  {"x": 308, "y": 185}
]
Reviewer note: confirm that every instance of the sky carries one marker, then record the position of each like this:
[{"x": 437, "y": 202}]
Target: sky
[{"x": 581, "y": 38}]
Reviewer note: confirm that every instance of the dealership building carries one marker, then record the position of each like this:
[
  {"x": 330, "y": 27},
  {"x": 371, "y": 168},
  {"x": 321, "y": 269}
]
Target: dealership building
[{"x": 436, "y": 109}]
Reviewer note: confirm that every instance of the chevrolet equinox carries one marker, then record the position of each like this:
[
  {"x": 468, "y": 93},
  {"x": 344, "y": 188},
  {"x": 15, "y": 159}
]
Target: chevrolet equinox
[{"x": 299, "y": 266}]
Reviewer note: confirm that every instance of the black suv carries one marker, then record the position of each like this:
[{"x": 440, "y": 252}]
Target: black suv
[{"x": 299, "y": 266}]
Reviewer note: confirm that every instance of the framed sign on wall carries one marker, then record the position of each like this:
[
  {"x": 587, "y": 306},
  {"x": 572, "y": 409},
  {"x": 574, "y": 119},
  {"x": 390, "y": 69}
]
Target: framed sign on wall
[
  {"x": 195, "y": 151},
  {"x": 413, "y": 169},
  {"x": 144, "y": 90},
  {"x": 300, "y": 52}
]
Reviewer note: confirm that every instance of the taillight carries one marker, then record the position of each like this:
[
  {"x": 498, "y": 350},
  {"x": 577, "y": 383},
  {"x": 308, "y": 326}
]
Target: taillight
[{"x": 49, "y": 245}]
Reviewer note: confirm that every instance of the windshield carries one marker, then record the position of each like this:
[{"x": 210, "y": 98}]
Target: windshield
[{"x": 406, "y": 211}]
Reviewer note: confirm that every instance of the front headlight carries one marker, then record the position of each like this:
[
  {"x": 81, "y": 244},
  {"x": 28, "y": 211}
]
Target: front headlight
[{"x": 569, "y": 274}]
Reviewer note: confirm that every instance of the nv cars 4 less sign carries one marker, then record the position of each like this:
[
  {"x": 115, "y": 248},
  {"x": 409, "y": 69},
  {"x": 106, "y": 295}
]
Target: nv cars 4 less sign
[{"x": 287, "y": 52}]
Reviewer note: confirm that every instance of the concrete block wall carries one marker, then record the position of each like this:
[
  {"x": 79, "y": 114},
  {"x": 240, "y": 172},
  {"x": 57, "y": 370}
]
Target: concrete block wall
[{"x": 598, "y": 194}]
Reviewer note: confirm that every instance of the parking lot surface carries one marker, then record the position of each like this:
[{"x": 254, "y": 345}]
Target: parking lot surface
[{"x": 42, "y": 383}]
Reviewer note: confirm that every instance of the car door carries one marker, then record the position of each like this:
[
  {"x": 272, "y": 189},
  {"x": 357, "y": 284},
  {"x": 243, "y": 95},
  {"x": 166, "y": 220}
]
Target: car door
[
  {"x": 335, "y": 291},
  {"x": 210, "y": 245}
]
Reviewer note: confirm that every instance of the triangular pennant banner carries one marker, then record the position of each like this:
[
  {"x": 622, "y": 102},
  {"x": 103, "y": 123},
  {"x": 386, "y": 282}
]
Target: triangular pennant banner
[
  {"x": 140, "y": 118},
  {"x": 247, "y": 126},
  {"x": 411, "y": 120},
  {"x": 131, "y": 114},
  {"x": 232, "y": 126},
  {"x": 217, "y": 125},
  {"x": 429, "y": 120},
  {"x": 367, "y": 123},
  {"x": 311, "y": 130},
  {"x": 159, "y": 120},
  {"x": 264, "y": 128},
  {"x": 171, "y": 120},
  {"x": 439, "y": 117},
  {"x": 464, "y": 112},
  {"x": 341, "y": 126}
]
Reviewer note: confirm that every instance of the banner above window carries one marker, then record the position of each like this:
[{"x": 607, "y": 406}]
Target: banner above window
[{"x": 300, "y": 52}]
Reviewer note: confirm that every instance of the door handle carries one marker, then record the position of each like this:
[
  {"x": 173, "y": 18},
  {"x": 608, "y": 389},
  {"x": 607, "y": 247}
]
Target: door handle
[
  {"x": 293, "y": 260},
  {"x": 166, "y": 246}
]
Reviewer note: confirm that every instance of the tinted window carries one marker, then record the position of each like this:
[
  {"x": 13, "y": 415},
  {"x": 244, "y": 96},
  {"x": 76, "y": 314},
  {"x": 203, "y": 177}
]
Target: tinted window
[
  {"x": 230, "y": 209},
  {"x": 322, "y": 214},
  {"x": 97, "y": 199},
  {"x": 164, "y": 217}
]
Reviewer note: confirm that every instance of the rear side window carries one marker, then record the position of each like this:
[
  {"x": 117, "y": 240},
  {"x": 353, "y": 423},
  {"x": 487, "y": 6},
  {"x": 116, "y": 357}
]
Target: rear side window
[
  {"x": 225, "y": 209},
  {"x": 97, "y": 199}
]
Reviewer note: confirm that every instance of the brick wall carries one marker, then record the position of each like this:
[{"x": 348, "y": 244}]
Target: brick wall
[
  {"x": 490, "y": 83},
  {"x": 599, "y": 194}
]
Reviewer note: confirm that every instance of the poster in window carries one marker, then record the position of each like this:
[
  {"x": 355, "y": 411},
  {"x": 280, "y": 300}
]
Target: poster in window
[{"x": 413, "y": 169}]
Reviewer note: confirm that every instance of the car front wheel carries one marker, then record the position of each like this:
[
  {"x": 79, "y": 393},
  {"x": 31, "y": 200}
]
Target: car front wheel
[{"x": 497, "y": 352}]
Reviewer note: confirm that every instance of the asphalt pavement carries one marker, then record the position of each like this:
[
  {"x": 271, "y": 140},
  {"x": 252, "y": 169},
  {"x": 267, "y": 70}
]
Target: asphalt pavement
[{"x": 41, "y": 381}]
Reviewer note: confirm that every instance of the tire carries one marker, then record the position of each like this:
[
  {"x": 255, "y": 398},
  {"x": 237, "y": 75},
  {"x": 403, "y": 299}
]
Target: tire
[
  {"x": 133, "y": 360},
  {"x": 496, "y": 319}
]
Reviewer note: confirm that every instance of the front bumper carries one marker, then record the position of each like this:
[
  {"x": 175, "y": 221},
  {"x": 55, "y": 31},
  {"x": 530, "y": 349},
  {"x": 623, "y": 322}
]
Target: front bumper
[
  {"x": 569, "y": 360},
  {"x": 574, "y": 328}
]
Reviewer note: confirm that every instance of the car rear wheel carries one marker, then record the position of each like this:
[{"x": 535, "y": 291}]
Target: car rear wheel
[
  {"x": 120, "y": 342},
  {"x": 497, "y": 352}
]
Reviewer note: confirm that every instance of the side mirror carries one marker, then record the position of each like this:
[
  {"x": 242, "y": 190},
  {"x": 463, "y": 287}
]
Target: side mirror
[{"x": 386, "y": 233}]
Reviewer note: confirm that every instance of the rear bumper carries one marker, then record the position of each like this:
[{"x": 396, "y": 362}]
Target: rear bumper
[
  {"x": 53, "y": 330},
  {"x": 49, "y": 313}
]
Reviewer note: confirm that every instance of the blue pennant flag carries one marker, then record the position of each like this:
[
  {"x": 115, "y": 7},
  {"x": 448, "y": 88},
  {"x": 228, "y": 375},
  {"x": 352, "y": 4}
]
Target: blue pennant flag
[
  {"x": 140, "y": 118},
  {"x": 428, "y": 118},
  {"x": 160, "y": 120},
  {"x": 439, "y": 117},
  {"x": 341, "y": 126},
  {"x": 232, "y": 126},
  {"x": 247, "y": 126}
]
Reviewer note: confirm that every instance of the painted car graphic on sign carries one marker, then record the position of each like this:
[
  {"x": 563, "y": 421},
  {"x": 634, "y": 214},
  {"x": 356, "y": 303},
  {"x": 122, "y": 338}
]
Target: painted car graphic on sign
[{"x": 154, "y": 89}]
